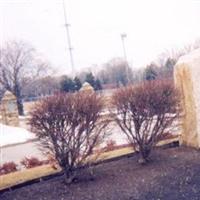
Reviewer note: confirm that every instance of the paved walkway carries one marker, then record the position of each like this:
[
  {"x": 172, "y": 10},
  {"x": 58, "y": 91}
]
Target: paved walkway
[{"x": 18, "y": 151}]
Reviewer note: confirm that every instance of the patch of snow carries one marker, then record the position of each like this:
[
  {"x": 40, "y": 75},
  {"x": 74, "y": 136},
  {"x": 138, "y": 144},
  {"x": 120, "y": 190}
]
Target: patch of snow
[
  {"x": 22, "y": 117},
  {"x": 13, "y": 135}
]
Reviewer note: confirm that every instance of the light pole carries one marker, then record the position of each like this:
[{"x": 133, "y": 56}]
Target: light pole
[
  {"x": 68, "y": 39},
  {"x": 123, "y": 36}
]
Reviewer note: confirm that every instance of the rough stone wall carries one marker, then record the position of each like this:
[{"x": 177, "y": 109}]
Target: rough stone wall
[
  {"x": 187, "y": 79},
  {"x": 9, "y": 110}
]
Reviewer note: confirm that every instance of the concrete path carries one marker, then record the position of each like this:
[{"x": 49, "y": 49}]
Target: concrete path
[{"x": 17, "y": 152}]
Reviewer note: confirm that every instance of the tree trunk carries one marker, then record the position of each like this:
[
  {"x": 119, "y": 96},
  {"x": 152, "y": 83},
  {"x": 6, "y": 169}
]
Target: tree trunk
[
  {"x": 20, "y": 106},
  {"x": 144, "y": 153},
  {"x": 68, "y": 176},
  {"x": 17, "y": 93}
]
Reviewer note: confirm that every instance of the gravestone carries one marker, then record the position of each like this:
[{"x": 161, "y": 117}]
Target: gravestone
[
  {"x": 9, "y": 110},
  {"x": 187, "y": 80}
]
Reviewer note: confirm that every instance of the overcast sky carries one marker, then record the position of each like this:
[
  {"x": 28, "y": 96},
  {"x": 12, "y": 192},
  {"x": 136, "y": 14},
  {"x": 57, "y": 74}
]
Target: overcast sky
[{"x": 152, "y": 26}]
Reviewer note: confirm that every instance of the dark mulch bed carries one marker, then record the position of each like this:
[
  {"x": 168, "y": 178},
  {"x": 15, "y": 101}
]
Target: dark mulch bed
[{"x": 172, "y": 174}]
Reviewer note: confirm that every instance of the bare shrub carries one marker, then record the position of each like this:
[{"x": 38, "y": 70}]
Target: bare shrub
[
  {"x": 69, "y": 127},
  {"x": 145, "y": 113},
  {"x": 110, "y": 145},
  {"x": 51, "y": 161},
  {"x": 8, "y": 167},
  {"x": 31, "y": 162}
]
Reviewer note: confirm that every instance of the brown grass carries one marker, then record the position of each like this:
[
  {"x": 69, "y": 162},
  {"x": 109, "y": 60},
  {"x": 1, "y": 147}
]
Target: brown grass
[{"x": 18, "y": 177}]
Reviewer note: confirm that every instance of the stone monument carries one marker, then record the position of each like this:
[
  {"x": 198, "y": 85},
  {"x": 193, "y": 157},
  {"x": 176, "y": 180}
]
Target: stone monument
[
  {"x": 9, "y": 110},
  {"x": 187, "y": 77},
  {"x": 86, "y": 87}
]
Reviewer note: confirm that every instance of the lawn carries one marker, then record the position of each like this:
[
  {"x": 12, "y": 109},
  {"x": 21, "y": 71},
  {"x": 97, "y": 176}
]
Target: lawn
[
  {"x": 25, "y": 175},
  {"x": 172, "y": 174}
]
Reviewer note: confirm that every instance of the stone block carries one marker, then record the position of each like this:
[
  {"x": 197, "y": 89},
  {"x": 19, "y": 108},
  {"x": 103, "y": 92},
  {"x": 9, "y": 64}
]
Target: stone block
[
  {"x": 187, "y": 79},
  {"x": 9, "y": 110}
]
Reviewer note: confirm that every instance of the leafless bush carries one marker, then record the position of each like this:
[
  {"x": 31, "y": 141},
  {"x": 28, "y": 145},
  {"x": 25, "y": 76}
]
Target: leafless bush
[
  {"x": 31, "y": 162},
  {"x": 8, "y": 167},
  {"x": 145, "y": 113},
  {"x": 69, "y": 127},
  {"x": 110, "y": 145}
]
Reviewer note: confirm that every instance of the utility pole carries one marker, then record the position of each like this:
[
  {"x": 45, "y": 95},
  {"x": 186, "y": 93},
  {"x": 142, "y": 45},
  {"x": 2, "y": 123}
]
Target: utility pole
[
  {"x": 68, "y": 39},
  {"x": 123, "y": 36}
]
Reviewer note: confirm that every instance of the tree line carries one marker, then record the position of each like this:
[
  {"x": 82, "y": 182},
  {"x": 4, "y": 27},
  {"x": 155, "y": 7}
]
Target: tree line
[
  {"x": 68, "y": 84},
  {"x": 24, "y": 73}
]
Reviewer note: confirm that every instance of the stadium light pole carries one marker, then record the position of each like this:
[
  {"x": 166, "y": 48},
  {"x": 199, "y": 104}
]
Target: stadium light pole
[
  {"x": 67, "y": 25},
  {"x": 123, "y": 36}
]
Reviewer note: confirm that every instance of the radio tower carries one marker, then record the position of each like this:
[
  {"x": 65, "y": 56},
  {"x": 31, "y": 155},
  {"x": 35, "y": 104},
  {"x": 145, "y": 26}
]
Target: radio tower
[{"x": 68, "y": 39}]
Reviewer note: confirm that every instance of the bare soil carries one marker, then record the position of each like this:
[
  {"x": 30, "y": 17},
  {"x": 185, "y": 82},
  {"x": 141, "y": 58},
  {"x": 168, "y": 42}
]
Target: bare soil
[{"x": 172, "y": 174}]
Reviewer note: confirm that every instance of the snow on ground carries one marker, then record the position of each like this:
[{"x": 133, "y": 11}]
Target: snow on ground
[{"x": 12, "y": 135}]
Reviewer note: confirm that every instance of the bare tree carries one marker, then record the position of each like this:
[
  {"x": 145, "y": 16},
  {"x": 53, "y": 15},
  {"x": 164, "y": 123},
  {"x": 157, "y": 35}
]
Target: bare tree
[
  {"x": 69, "y": 127},
  {"x": 117, "y": 72},
  {"x": 18, "y": 63},
  {"x": 145, "y": 113},
  {"x": 40, "y": 87}
]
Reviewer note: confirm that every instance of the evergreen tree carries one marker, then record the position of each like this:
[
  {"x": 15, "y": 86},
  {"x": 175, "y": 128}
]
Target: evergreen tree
[
  {"x": 67, "y": 84},
  {"x": 90, "y": 79},
  {"x": 170, "y": 63},
  {"x": 150, "y": 73},
  {"x": 98, "y": 85},
  {"x": 77, "y": 84}
]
